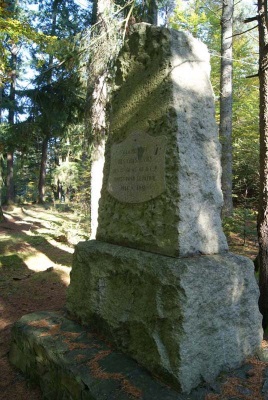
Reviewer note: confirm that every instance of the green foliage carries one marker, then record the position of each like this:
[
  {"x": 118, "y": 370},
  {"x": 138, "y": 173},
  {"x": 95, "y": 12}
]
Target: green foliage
[
  {"x": 54, "y": 101},
  {"x": 16, "y": 29},
  {"x": 67, "y": 173},
  {"x": 199, "y": 18},
  {"x": 245, "y": 124},
  {"x": 56, "y": 104},
  {"x": 26, "y": 193},
  {"x": 195, "y": 18},
  {"x": 246, "y": 148},
  {"x": 203, "y": 21},
  {"x": 242, "y": 223}
]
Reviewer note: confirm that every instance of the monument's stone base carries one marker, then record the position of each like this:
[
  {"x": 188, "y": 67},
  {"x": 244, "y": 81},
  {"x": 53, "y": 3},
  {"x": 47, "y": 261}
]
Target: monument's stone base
[
  {"x": 70, "y": 362},
  {"x": 184, "y": 319}
]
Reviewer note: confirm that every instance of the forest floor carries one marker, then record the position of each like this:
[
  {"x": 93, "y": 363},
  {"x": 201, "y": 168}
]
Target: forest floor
[{"x": 36, "y": 246}]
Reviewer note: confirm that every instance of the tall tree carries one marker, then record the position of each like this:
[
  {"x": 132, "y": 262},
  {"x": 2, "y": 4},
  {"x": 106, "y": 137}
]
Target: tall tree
[
  {"x": 12, "y": 50},
  {"x": 203, "y": 19},
  {"x": 147, "y": 11},
  {"x": 226, "y": 103},
  {"x": 103, "y": 48},
  {"x": 263, "y": 201},
  {"x": 56, "y": 97},
  {"x": 15, "y": 32},
  {"x": 152, "y": 14},
  {"x": 11, "y": 120},
  {"x": 47, "y": 128},
  {"x": 165, "y": 10}
]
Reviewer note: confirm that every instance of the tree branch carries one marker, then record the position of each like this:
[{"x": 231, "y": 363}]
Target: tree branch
[
  {"x": 241, "y": 33},
  {"x": 247, "y": 20},
  {"x": 252, "y": 76}
]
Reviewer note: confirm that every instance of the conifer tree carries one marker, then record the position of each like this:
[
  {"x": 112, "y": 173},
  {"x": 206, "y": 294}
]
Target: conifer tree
[
  {"x": 263, "y": 205},
  {"x": 226, "y": 104},
  {"x": 57, "y": 98}
]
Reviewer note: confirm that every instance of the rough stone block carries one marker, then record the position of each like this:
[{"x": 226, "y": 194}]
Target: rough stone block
[
  {"x": 185, "y": 319},
  {"x": 71, "y": 362},
  {"x": 166, "y": 201}
]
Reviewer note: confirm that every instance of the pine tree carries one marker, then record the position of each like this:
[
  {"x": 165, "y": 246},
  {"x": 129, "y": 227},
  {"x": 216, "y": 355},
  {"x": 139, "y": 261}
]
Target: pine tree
[
  {"x": 15, "y": 33},
  {"x": 105, "y": 40},
  {"x": 58, "y": 96},
  {"x": 226, "y": 104},
  {"x": 263, "y": 205}
]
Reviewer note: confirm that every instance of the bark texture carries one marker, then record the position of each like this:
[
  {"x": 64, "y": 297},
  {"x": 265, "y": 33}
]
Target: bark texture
[
  {"x": 46, "y": 128},
  {"x": 10, "y": 178},
  {"x": 152, "y": 12},
  {"x": 104, "y": 47},
  {"x": 11, "y": 121},
  {"x": 226, "y": 102},
  {"x": 263, "y": 201},
  {"x": 42, "y": 174}
]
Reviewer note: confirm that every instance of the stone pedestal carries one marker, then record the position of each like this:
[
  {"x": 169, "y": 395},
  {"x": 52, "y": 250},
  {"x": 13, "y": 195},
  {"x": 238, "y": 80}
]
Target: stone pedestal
[{"x": 184, "y": 319}]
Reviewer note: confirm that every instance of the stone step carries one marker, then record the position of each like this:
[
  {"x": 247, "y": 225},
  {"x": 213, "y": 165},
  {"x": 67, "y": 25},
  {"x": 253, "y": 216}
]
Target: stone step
[{"x": 70, "y": 361}]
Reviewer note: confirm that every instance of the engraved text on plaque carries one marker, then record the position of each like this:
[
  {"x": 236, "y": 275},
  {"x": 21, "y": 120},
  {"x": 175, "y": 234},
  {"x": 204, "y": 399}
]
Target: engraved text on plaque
[{"x": 137, "y": 169}]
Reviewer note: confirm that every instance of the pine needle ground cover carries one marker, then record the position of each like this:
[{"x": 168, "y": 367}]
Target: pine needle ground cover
[{"x": 35, "y": 260}]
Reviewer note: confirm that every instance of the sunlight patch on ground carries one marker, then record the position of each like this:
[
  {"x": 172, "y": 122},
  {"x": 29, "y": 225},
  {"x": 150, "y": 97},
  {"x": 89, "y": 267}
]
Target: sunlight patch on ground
[
  {"x": 40, "y": 262},
  {"x": 3, "y": 322},
  {"x": 38, "y": 213},
  {"x": 40, "y": 239},
  {"x": 61, "y": 246},
  {"x": 51, "y": 241},
  {"x": 64, "y": 273},
  {"x": 29, "y": 233},
  {"x": 8, "y": 216}
]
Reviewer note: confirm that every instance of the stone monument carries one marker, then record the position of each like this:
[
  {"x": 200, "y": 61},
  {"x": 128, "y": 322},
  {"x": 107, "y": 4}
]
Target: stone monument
[{"x": 159, "y": 281}]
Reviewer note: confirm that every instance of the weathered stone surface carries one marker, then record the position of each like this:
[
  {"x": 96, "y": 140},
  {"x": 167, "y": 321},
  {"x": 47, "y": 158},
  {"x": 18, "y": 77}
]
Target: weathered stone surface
[
  {"x": 163, "y": 91},
  {"x": 70, "y": 362},
  {"x": 185, "y": 319},
  {"x": 137, "y": 169}
]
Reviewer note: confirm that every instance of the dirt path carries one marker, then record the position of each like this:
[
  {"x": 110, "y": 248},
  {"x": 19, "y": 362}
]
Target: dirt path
[{"x": 34, "y": 274}]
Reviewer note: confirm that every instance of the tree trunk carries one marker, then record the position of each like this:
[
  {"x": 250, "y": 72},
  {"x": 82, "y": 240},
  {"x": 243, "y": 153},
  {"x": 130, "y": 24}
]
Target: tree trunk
[
  {"x": 10, "y": 179},
  {"x": 46, "y": 129},
  {"x": 97, "y": 97},
  {"x": 94, "y": 14},
  {"x": 263, "y": 201},
  {"x": 2, "y": 218},
  {"x": 1, "y": 100},
  {"x": 226, "y": 103},
  {"x": 11, "y": 120},
  {"x": 1, "y": 155},
  {"x": 42, "y": 174},
  {"x": 152, "y": 12}
]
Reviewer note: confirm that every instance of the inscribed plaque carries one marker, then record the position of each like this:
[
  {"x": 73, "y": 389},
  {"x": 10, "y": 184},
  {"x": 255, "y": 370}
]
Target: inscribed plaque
[{"x": 137, "y": 169}]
